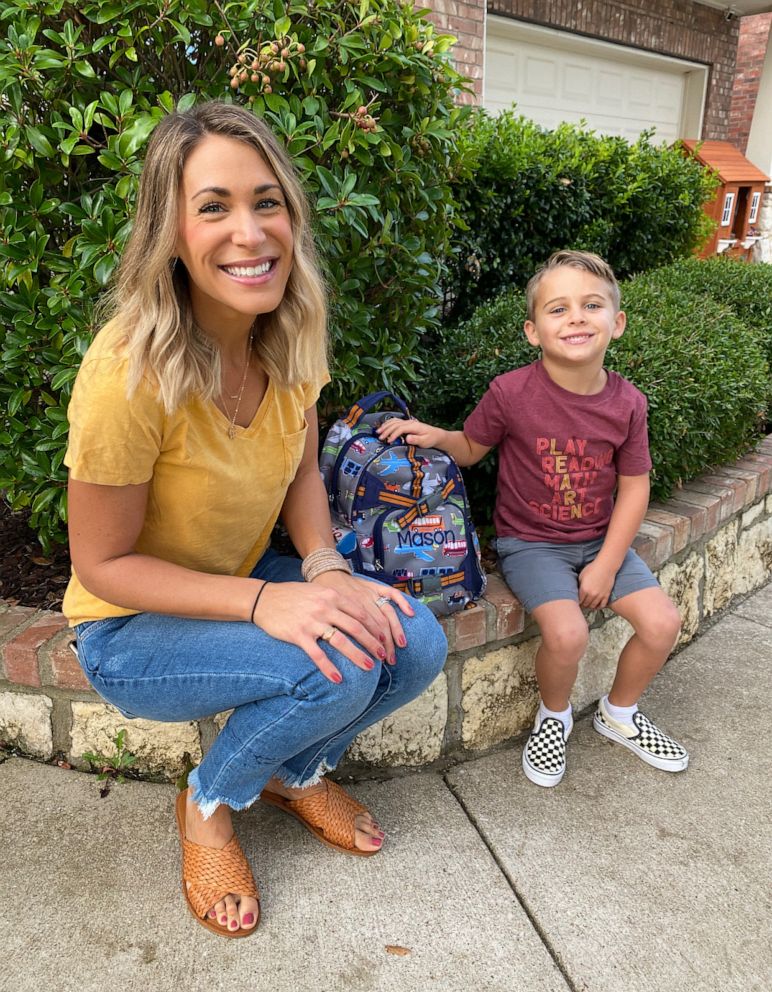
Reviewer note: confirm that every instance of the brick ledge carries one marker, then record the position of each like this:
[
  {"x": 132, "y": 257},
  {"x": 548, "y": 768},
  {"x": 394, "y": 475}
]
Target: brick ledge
[{"x": 34, "y": 643}]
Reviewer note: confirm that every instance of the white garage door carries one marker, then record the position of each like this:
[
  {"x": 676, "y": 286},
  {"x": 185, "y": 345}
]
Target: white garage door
[{"x": 554, "y": 76}]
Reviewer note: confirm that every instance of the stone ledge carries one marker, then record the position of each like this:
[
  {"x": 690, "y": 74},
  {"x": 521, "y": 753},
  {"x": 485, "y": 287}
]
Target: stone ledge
[{"x": 711, "y": 541}]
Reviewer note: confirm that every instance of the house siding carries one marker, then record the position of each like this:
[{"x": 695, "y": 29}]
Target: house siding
[{"x": 678, "y": 28}]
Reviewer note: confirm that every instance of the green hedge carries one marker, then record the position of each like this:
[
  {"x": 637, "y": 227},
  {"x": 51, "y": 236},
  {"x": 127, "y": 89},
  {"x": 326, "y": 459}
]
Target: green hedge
[
  {"x": 745, "y": 288},
  {"x": 703, "y": 370},
  {"x": 529, "y": 191},
  {"x": 363, "y": 96}
]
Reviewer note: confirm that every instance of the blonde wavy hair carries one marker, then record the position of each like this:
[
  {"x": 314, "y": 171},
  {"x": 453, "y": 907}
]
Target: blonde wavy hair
[
  {"x": 151, "y": 296},
  {"x": 586, "y": 260}
]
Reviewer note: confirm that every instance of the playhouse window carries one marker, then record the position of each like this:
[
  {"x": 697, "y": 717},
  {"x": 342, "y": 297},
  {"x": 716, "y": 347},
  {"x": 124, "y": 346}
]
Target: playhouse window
[
  {"x": 727, "y": 214},
  {"x": 755, "y": 201}
]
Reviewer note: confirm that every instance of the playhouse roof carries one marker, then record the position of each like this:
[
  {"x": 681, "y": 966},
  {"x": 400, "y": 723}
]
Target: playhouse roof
[{"x": 728, "y": 161}]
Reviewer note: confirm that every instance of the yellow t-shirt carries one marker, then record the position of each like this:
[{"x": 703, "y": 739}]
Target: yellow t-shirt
[{"x": 213, "y": 500}]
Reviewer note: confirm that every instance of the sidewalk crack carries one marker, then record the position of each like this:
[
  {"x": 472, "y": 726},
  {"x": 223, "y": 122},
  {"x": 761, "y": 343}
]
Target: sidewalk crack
[
  {"x": 540, "y": 931},
  {"x": 759, "y": 623}
]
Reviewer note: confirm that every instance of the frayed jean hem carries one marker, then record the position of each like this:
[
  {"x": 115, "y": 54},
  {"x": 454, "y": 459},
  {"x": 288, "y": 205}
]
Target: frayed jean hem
[
  {"x": 305, "y": 779},
  {"x": 207, "y": 807}
]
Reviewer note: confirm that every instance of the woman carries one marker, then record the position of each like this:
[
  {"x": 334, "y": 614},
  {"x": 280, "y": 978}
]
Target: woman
[{"x": 192, "y": 428}]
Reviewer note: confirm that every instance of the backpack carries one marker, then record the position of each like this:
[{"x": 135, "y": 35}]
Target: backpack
[{"x": 400, "y": 513}]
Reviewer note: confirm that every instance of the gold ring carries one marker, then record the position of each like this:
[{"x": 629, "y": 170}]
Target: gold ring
[
  {"x": 382, "y": 601},
  {"x": 327, "y": 634}
]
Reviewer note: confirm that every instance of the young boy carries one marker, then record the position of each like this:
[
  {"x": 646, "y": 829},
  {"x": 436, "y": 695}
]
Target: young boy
[{"x": 570, "y": 434}]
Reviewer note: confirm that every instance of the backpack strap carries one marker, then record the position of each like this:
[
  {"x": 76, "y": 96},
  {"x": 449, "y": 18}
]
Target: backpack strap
[
  {"x": 368, "y": 402},
  {"x": 424, "y": 507}
]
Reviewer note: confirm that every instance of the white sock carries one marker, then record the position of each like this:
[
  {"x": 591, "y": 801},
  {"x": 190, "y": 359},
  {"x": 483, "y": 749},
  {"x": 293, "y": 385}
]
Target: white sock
[
  {"x": 563, "y": 715},
  {"x": 622, "y": 714}
]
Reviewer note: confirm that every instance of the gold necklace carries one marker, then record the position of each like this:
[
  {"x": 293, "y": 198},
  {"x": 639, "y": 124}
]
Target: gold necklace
[{"x": 237, "y": 397}]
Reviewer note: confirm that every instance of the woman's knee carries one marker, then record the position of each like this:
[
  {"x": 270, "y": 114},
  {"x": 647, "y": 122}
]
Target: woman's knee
[
  {"x": 424, "y": 656},
  {"x": 351, "y": 695}
]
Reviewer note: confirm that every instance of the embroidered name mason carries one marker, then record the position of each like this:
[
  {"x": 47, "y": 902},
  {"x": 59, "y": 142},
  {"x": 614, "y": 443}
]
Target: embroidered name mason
[
  {"x": 425, "y": 539},
  {"x": 568, "y": 473}
]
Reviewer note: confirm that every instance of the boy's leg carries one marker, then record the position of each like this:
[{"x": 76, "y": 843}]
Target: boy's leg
[
  {"x": 564, "y": 638},
  {"x": 564, "y": 641},
  {"x": 544, "y": 578},
  {"x": 656, "y": 623}
]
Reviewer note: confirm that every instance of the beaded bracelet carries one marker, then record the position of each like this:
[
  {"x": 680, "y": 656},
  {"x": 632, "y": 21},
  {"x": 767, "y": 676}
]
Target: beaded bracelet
[
  {"x": 323, "y": 560},
  {"x": 257, "y": 600}
]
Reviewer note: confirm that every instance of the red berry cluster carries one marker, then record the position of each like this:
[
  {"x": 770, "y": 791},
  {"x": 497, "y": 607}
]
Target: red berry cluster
[
  {"x": 261, "y": 66},
  {"x": 363, "y": 120}
]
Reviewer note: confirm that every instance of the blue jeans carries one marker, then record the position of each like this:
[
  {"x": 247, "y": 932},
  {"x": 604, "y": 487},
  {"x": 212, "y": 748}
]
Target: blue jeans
[{"x": 288, "y": 720}]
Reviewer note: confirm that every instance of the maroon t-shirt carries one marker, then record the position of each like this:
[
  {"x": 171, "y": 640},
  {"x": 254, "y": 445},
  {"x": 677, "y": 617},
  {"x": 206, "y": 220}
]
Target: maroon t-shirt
[{"x": 559, "y": 452}]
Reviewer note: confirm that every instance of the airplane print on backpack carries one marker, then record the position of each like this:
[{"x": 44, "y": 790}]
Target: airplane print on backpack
[{"x": 400, "y": 513}]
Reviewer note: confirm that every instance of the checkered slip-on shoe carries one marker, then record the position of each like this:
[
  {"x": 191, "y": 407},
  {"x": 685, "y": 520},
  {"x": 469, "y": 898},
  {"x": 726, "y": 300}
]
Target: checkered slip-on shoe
[
  {"x": 544, "y": 754},
  {"x": 648, "y": 741}
]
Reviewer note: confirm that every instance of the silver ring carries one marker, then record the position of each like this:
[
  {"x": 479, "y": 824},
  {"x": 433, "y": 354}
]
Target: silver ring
[
  {"x": 327, "y": 634},
  {"x": 382, "y": 601}
]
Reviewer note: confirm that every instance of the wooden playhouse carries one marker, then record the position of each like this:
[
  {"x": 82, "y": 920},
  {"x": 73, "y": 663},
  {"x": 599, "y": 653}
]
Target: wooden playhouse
[{"x": 737, "y": 205}]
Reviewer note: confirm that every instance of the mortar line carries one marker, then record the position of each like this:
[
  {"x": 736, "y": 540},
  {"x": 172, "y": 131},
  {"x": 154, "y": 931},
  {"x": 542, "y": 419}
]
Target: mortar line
[{"x": 540, "y": 931}]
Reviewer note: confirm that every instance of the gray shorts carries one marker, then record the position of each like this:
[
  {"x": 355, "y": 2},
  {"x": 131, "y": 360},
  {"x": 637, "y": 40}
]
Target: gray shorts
[{"x": 538, "y": 572}]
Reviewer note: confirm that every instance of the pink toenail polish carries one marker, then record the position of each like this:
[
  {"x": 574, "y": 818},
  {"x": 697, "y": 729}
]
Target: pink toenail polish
[
  {"x": 248, "y": 919},
  {"x": 233, "y": 925},
  {"x": 223, "y": 919},
  {"x": 376, "y": 840}
]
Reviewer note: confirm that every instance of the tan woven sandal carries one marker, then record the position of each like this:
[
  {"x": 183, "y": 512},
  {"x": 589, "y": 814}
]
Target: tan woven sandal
[
  {"x": 213, "y": 873},
  {"x": 330, "y": 814}
]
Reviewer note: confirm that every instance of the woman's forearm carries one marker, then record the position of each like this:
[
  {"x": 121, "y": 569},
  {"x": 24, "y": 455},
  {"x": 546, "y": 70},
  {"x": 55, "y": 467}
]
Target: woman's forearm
[
  {"x": 147, "y": 584},
  {"x": 306, "y": 513}
]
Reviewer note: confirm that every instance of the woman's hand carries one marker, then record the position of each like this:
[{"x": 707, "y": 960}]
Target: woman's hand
[
  {"x": 375, "y": 606},
  {"x": 339, "y": 608}
]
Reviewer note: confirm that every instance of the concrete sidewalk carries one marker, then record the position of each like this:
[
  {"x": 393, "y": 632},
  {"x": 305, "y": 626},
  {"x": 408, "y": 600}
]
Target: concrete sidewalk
[{"x": 623, "y": 879}]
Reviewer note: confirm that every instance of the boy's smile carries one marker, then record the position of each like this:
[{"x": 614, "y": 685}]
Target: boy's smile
[{"x": 575, "y": 318}]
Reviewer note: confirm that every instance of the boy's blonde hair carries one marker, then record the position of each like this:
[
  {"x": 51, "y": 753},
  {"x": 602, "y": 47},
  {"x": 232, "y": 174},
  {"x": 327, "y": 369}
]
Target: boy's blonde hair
[
  {"x": 151, "y": 297},
  {"x": 585, "y": 260}
]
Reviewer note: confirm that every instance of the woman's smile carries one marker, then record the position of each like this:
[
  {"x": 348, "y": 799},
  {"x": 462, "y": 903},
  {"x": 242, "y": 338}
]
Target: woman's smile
[{"x": 252, "y": 271}]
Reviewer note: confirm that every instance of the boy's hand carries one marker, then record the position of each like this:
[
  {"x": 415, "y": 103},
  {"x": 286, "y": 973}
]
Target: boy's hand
[
  {"x": 596, "y": 581},
  {"x": 413, "y": 431},
  {"x": 456, "y": 443}
]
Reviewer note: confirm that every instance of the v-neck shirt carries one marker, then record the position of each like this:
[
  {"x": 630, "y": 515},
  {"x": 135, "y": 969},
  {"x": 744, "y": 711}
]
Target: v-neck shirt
[{"x": 213, "y": 500}]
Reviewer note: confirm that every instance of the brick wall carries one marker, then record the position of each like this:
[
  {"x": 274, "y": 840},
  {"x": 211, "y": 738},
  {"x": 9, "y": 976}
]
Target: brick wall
[
  {"x": 466, "y": 20},
  {"x": 751, "y": 51},
  {"x": 679, "y": 28}
]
